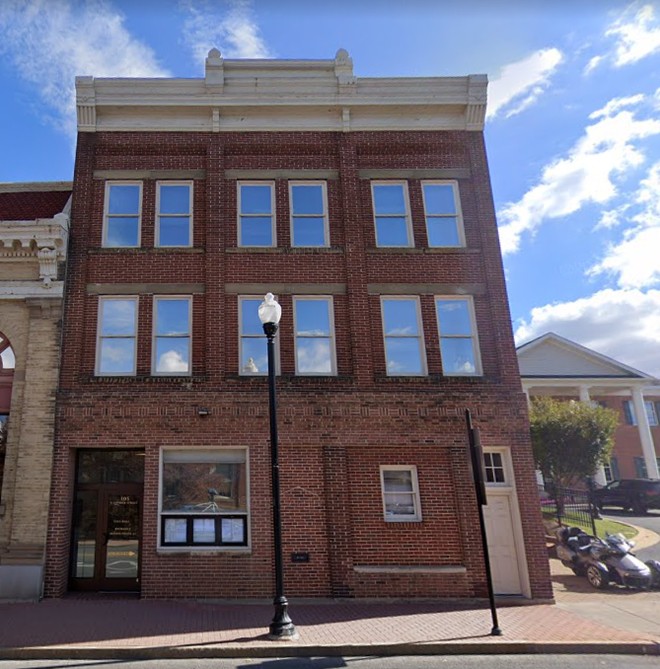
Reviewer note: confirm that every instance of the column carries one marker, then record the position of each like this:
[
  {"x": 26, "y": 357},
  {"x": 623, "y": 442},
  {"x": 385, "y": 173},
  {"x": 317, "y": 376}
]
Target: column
[
  {"x": 599, "y": 474},
  {"x": 645, "y": 437}
]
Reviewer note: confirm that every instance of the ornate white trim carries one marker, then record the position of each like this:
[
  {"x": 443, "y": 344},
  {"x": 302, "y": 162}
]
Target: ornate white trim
[
  {"x": 44, "y": 239},
  {"x": 254, "y": 94}
]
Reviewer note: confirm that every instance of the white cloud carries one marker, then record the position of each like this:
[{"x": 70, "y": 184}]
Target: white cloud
[
  {"x": 615, "y": 104},
  {"x": 636, "y": 258},
  {"x": 519, "y": 84},
  {"x": 637, "y": 33},
  {"x": 233, "y": 31},
  {"x": 314, "y": 356},
  {"x": 172, "y": 361},
  {"x": 50, "y": 42},
  {"x": 587, "y": 174},
  {"x": 593, "y": 64},
  {"x": 623, "y": 324},
  {"x": 612, "y": 218}
]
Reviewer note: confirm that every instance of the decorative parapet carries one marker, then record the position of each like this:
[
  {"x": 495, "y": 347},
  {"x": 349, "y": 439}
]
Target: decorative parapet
[
  {"x": 86, "y": 104},
  {"x": 268, "y": 94},
  {"x": 44, "y": 239}
]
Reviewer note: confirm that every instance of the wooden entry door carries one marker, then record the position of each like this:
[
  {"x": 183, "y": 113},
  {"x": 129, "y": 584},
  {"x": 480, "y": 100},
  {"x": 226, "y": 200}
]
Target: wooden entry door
[{"x": 107, "y": 522}]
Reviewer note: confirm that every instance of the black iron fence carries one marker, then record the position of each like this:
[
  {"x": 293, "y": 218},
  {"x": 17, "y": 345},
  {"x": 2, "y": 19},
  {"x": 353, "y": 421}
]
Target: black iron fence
[{"x": 570, "y": 506}]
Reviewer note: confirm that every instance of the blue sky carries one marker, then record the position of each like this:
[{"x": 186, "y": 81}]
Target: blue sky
[{"x": 573, "y": 132}]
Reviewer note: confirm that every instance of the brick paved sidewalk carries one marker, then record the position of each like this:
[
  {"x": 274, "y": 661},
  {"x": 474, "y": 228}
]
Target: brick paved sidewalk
[
  {"x": 583, "y": 621},
  {"x": 138, "y": 628}
]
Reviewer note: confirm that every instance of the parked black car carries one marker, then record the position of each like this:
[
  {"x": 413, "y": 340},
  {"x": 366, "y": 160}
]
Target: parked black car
[{"x": 639, "y": 495}]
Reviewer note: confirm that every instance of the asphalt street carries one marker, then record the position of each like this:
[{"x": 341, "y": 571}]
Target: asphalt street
[
  {"x": 651, "y": 521},
  {"x": 402, "y": 662}
]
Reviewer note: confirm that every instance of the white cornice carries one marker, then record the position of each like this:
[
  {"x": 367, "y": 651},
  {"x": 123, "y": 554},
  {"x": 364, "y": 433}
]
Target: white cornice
[
  {"x": 281, "y": 95},
  {"x": 44, "y": 239}
]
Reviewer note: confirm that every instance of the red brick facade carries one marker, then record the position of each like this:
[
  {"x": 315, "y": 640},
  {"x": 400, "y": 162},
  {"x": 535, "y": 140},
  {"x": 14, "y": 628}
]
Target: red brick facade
[
  {"x": 627, "y": 445},
  {"x": 335, "y": 431}
]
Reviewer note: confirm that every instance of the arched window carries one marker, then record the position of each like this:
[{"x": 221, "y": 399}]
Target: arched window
[{"x": 7, "y": 364}]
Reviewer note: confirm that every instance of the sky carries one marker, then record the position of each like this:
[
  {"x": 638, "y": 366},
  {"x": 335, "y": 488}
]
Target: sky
[{"x": 572, "y": 131}]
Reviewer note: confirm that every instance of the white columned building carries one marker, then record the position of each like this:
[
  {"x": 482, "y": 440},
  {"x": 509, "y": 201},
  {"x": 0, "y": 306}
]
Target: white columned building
[{"x": 554, "y": 366}]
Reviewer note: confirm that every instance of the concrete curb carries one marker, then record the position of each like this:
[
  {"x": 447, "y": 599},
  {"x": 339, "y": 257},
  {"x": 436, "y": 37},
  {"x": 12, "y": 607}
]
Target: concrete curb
[{"x": 359, "y": 650}]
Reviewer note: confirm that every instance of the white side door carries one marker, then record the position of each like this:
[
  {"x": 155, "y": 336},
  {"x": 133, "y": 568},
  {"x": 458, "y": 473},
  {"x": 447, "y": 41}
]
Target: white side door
[{"x": 503, "y": 528}]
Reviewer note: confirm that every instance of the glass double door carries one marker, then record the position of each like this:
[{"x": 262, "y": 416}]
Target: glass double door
[{"x": 106, "y": 537}]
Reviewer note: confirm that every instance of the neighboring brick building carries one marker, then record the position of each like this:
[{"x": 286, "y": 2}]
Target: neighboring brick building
[
  {"x": 555, "y": 366},
  {"x": 33, "y": 231},
  {"x": 365, "y": 206}
]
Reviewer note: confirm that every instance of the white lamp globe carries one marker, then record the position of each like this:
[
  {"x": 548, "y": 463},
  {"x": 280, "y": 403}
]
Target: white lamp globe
[{"x": 269, "y": 310}]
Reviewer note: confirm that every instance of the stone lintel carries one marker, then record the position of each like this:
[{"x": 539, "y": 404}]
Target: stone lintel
[
  {"x": 285, "y": 288},
  {"x": 141, "y": 288},
  {"x": 149, "y": 174},
  {"x": 426, "y": 288}
]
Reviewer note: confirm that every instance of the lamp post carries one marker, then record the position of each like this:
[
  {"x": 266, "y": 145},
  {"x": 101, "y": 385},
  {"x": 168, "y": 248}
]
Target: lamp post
[{"x": 281, "y": 627}]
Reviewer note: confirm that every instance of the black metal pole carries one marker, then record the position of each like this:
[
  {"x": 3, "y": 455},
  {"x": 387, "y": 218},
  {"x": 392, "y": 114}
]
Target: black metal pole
[
  {"x": 281, "y": 627},
  {"x": 476, "y": 457}
]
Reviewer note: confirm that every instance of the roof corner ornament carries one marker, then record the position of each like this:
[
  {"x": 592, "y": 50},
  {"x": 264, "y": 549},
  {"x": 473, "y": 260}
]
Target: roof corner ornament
[
  {"x": 344, "y": 71},
  {"x": 47, "y": 258},
  {"x": 215, "y": 70}
]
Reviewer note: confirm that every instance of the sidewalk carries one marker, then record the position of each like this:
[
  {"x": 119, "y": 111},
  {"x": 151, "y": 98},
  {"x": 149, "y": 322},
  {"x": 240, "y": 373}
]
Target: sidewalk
[{"x": 582, "y": 621}]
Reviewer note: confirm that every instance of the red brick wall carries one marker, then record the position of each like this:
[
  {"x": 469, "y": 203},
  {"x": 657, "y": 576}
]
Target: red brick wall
[
  {"x": 334, "y": 432},
  {"x": 627, "y": 444}
]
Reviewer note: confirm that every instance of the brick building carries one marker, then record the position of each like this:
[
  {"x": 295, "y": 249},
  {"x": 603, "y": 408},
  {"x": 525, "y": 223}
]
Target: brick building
[
  {"x": 364, "y": 205},
  {"x": 555, "y": 366},
  {"x": 33, "y": 231}
]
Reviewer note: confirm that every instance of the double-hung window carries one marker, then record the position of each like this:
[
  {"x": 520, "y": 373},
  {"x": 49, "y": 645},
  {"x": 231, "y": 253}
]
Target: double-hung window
[
  {"x": 631, "y": 416},
  {"x": 444, "y": 225},
  {"x": 314, "y": 327},
  {"x": 253, "y": 351},
  {"x": 404, "y": 341},
  {"x": 309, "y": 218},
  {"x": 204, "y": 498},
  {"x": 117, "y": 330},
  {"x": 459, "y": 347},
  {"x": 391, "y": 213},
  {"x": 256, "y": 213},
  {"x": 172, "y": 333},
  {"x": 123, "y": 207},
  {"x": 174, "y": 214},
  {"x": 400, "y": 493}
]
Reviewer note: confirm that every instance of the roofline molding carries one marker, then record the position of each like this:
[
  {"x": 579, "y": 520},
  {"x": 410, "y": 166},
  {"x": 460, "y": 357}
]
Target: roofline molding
[
  {"x": 35, "y": 186},
  {"x": 277, "y": 95},
  {"x": 574, "y": 346}
]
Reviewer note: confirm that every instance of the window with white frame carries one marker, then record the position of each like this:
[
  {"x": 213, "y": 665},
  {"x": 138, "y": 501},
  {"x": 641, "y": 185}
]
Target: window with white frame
[
  {"x": 172, "y": 335},
  {"x": 611, "y": 469},
  {"x": 204, "y": 498},
  {"x": 256, "y": 213},
  {"x": 444, "y": 224},
  {"x": 404, "y": 341},
  {"x": 314, "y": 328},
  {"x": 174, "y": 213},
  {"x": 631, "y": 416},
  {"x": 494, "y": 467},
  {"x": 123, "y": 207},
  {"x": 391, "y": 213},
  {"x": 458, "y": 336},
  {"x": 253, "y": 351},
  {"x": 309, "y": 217},
  {"x": 400, "y": 493},
  {"x": 116, "y": 336}
]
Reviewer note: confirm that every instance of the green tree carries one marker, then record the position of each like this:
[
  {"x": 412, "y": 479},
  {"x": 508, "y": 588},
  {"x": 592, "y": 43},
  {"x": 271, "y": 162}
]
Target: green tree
[{"x": 570, "y": 439}]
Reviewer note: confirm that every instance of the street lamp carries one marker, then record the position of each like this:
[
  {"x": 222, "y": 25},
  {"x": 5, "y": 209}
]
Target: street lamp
[{"x": 281, "y": 627}]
